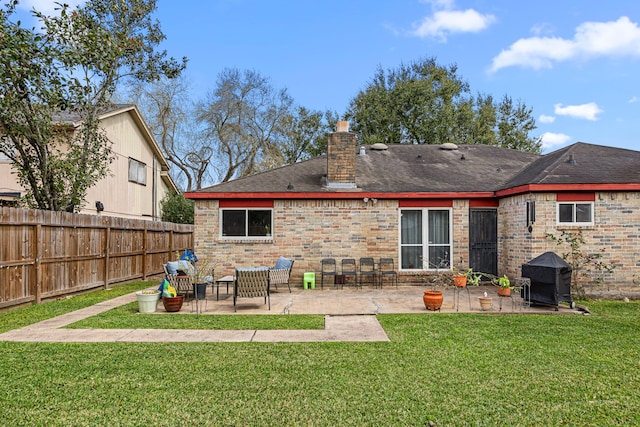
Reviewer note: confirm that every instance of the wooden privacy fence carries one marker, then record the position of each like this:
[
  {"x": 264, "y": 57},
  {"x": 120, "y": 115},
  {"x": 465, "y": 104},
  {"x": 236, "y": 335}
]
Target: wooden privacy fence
[{"x": 45, "y": 254}]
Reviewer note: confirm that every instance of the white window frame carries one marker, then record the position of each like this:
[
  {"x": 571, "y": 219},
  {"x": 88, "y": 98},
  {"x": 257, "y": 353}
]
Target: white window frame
[
  {"x": 246, "y": 236},
  {"x": 137, "y": 172},
  {"x": 574, "y": 210},
  {"x": 425, "y": 240}
]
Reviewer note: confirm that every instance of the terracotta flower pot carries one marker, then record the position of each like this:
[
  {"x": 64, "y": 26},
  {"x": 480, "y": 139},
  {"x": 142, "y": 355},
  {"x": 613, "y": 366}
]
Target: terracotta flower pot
[
  {"x": 174, "y": 304},
  {"x": 485, "y": 303},
  {"x": 432, "y": 300},
  {"x": 460, "y": 280},
  {"x": 504, "y": 292}
]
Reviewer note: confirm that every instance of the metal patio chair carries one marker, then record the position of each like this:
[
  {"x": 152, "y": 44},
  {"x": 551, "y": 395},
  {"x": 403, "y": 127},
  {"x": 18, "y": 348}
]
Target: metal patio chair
[
  {"x": 349, "y": 269},
  {"x": 368, "y": 268},
  {"x": 387, "y": 268},
  {"x": 327, "y": 268}
]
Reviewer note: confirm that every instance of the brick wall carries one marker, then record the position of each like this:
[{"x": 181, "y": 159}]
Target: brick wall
[
  {"x": 616, "y": 229},
  {"x": 309, "y": 230},
  {"x": 341, "y": 158}
]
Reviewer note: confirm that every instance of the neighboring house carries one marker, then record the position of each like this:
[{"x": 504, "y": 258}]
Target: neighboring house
[
  {"x": 429, "y": 207},
  {"x": 139, "y": 177}
]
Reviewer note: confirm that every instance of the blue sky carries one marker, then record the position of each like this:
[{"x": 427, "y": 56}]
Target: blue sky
[{"x": 575, "y": 62}]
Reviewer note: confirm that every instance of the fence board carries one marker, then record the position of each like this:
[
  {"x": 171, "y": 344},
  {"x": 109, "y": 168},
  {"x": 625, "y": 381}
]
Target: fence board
[{"x": 46, "y": 254}]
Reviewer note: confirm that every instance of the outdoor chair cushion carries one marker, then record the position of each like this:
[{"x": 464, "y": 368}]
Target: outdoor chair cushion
[
  {"x": 283, "y": 264},
  {"x": 173, "y": 267}
]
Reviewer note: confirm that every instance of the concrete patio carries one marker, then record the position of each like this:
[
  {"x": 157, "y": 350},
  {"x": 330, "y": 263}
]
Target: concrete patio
[{"x": 349, "y": 316}]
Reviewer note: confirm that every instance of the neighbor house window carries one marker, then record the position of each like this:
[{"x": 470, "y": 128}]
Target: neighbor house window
[
  {"x": 137, "y": 172},
  {"x": 576, "y": 213},
  {"x": 425, "y": 239},
  {"x": 247, "y": 223}
]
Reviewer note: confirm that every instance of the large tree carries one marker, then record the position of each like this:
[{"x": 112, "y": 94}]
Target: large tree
[
  {"x": 70, "y": 68},
  {"x": 427, "y": 103},
  {"x": 241, "y": 119},
  {"x": 169, "y": 114}
]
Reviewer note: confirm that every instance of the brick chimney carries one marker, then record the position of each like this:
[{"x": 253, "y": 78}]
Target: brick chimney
[{"x": 341, "y": 158}]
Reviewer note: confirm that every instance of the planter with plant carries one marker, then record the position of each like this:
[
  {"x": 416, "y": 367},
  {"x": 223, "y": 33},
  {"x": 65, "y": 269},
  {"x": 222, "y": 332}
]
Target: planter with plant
[
  {"x": 504, "y": 286},
  {"x": 485, "y": 302},
  {"x": 433, "y": 298},
  {"x": 460, "y": 278},
  {"x": 171, "y": 301},
  {"x": 148, "y": 300},
  {"x": 201, "y": 276}
]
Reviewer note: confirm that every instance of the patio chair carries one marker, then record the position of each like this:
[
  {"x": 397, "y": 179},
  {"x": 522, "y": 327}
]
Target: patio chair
[
  {"x": 349, "y": 269},
  {"x": 251, "y": 283},
  {"x": 327, "y": 268},
  {"x": 387, "y": 268},
  {"x": 281, "y": 272},
  {"x": 367, "y": 268},
  {"x": 181, "y": 283}
]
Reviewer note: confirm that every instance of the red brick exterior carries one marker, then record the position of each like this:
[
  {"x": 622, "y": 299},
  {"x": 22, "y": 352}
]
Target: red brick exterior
[{"x": 309, "y": 230}]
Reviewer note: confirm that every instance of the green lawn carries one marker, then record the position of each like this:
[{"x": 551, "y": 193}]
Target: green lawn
[{"x": 452, "y": 369}]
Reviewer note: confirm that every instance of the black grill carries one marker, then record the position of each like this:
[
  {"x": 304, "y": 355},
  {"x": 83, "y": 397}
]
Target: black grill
[{"x": 550, "y": 279}]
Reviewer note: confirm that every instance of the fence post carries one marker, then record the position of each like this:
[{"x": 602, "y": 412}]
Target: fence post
[
  {"x": 144, "y": 252},
  {"x": 37, "y": 256},
  {"x": 106, "y": 256}
]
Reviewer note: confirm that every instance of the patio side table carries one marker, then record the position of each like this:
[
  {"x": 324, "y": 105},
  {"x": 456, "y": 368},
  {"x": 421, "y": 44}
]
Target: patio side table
[{"x": 225, "y": 279}]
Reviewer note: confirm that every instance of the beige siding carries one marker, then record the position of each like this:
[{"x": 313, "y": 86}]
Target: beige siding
[{"x": 119, "y": 196}]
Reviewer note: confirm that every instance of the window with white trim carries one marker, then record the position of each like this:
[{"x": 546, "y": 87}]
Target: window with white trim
[
  {"x": 246, "y": 223},
  {"x": 575, "y": 213},
  {"x": 137, "y": 172},
  {"x": 425, "y": 239}
]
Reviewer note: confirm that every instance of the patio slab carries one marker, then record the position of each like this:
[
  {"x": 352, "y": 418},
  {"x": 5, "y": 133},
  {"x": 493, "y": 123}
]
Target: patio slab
[{"x": 350, "y": 315}]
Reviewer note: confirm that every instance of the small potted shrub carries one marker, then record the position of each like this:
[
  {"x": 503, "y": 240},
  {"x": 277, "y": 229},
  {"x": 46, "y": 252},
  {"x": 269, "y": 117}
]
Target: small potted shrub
[{"x": 504, "y": 286}]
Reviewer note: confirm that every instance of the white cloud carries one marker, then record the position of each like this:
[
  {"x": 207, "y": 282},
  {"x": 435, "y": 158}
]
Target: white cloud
[
  {"x": 588, "y": 111},
  {"x": 47, "y": 6},
  {"x": 445, "y": 20},
  {"x": 591, "y": 40},
  {"x": 550, "y": 139},
  {"x": 546, "y": 119},
  {"x": 633, "y": 99}
]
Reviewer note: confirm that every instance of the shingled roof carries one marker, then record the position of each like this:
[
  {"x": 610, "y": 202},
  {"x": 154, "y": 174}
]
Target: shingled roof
[
  {"x": 402, "y": 168},
  {"x": 399, "y": 168},
  {"x": 582, "y": 163}
]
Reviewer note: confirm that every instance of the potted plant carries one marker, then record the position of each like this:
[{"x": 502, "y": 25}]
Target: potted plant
[
  {"x": 148, "y": 300},
  {"x": 433, "y": 297},
  {"x": 504, "y": 286},
  {"x": 460, "y": 278},
  {"x": 173, "y": 304},
  {"x": 202, "y": 275},
  {"x": 485, "y": 302},
  {"x": 171, "y": 301}
]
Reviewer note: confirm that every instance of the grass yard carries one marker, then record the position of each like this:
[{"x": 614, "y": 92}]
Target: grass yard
[{"x": 451, "y": 369}]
